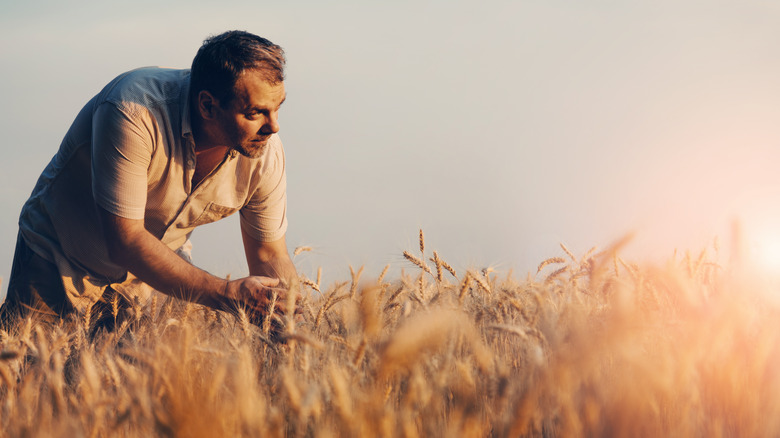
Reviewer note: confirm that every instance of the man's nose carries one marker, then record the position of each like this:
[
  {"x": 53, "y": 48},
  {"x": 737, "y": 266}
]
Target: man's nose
[{"x": 271, "y": 125}]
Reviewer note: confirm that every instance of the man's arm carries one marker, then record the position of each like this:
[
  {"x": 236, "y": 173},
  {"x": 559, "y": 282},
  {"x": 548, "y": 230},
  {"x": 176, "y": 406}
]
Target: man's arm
[
  {"x": 131, "y": 246},
  {"x": 269, "y": 259}
]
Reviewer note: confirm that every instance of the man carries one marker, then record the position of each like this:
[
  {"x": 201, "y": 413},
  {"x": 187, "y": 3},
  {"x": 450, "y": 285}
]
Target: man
[{"x": 155, "y": 154}]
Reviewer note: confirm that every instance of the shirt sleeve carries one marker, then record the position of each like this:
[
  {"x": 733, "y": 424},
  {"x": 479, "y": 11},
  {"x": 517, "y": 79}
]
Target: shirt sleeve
[
  {"x": 121, "y": 153},
  {"x": 264, "y": 217}
]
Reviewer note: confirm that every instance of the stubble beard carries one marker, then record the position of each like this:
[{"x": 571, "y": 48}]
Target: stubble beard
[{"x": 252, "y": 149}]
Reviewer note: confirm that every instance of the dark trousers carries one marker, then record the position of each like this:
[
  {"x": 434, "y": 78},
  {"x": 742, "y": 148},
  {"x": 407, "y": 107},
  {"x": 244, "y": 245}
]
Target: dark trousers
[{"x": 35, "y": 289}]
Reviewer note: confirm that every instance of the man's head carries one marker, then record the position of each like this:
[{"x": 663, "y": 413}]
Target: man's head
[
  {"x": 224, "y": 57},
  {"x": 236, "y": 90}
]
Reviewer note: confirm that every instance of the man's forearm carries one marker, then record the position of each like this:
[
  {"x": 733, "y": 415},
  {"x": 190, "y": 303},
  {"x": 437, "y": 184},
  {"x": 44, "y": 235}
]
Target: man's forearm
[
  {"x": 280, "y": 267},
  {"x": 130, "y": 245},
  {"x": 152, "y": 262},
  {"x": 269, "y": 259},
  {"x": 157, "y": 265}
]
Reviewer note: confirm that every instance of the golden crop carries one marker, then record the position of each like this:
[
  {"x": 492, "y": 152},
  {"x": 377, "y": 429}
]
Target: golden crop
[{"x": 589, "y": 346}]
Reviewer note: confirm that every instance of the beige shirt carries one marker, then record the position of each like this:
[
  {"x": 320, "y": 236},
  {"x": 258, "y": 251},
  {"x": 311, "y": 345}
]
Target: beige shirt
[{"x": 130, "y": 151}]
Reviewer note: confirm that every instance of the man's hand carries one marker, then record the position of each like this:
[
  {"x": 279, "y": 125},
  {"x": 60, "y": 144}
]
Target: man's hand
[
  {"x": 265, "y": 301},
  {"x": 257, "y": 294}
]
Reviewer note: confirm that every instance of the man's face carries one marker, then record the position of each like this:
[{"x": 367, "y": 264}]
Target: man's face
[{"x": 252, "y": 116}]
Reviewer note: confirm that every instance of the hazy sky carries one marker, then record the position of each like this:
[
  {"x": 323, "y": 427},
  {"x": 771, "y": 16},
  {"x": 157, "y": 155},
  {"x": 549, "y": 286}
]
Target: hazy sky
[{"x": 499, "y": 128}]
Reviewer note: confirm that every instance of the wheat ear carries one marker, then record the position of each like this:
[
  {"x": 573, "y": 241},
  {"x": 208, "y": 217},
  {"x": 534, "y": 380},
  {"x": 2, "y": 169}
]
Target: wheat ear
[
  {"x": 301, "y": 249},
  {"x": 568, "y": 253},
  {"x": 382, "y": 275},
  {"x": 421, "y": 264},
  {"x": 355, "y": 279},
  {"x": 552, "y": 260}
]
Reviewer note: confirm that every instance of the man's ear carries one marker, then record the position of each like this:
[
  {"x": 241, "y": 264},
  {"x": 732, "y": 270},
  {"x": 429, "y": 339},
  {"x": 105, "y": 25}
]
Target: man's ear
[{"x": 207, "y": 105}]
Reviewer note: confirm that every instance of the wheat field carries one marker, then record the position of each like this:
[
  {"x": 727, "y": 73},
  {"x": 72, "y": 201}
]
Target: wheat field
[{"x": 588, "y": 345}]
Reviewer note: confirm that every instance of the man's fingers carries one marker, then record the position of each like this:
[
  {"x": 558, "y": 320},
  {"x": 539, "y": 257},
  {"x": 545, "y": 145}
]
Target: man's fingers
[
  {"x": 268, "y": 281},
  {"x": 257, "y": 292}
]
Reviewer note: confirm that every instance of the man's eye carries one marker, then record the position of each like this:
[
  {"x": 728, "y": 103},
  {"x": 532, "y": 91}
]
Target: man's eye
[{"x": 254, "y": 114}]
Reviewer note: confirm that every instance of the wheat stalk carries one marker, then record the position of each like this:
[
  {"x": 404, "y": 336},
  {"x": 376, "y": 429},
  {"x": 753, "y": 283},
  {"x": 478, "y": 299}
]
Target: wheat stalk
[
  {"x": 569, "y": 253},
  {"x": 304, "y": 338},
  {"x": 419, "y": 263},
  {"x": 552, "y": 260},
  {"x": 481, "y": 282},
  {"x": 305, "y": 281},
  {"x": 355, "y": 279},
  {"x": 436, "y": 261},
  {"x": 555, "y": 274},
  {"x": 510, "y": 329},
  {"x": 301, "y": 249},
  {"x": 382, "y": 274},
  {"x": 449, "y": 268},
  {"x": 270, "y": 313},
  {"x": 464, "y": 287},
  {"x": 394, "y": 296}
]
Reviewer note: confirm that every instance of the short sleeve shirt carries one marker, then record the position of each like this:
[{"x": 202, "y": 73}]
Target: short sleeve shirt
[{"x": 130, "y": 151}]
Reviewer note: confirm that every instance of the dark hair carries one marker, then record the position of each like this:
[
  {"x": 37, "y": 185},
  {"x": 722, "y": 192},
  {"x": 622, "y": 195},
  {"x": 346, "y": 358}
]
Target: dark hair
[{"x": 222, "y": 58}]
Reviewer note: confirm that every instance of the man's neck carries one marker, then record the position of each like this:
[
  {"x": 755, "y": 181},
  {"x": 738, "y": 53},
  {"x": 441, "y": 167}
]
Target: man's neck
[
  {"x": 206, "y": 161},
  {"x": 198, "y": 134}
]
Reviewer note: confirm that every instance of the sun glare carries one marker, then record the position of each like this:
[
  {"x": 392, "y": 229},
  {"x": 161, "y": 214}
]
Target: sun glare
[{"x": 766, "y": 252}]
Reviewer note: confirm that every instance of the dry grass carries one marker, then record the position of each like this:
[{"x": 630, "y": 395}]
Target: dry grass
[{"x": 597, "y": 347}]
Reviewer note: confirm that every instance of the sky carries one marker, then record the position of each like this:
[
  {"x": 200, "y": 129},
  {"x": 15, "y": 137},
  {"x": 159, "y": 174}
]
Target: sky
[{"x": 499, "y": 128}]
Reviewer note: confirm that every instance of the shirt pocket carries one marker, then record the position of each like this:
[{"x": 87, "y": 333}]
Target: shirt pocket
[{"x": 212, "y": 213}]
